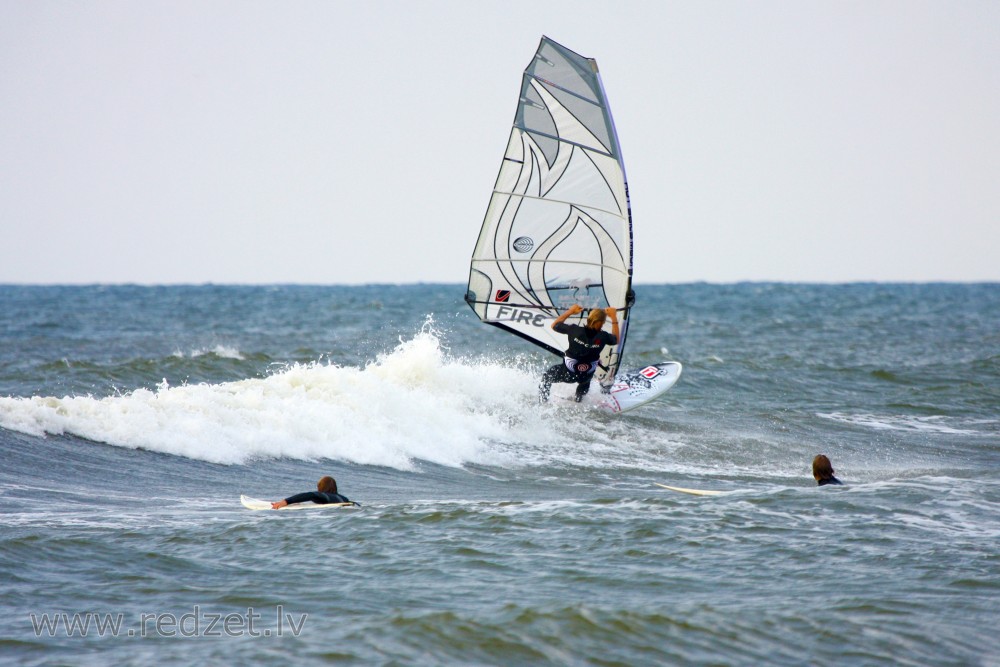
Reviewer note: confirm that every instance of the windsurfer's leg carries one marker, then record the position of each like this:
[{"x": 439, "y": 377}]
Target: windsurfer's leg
[
  {"x": 582, "y": 388},
  {"x": 548, "y": 377}
]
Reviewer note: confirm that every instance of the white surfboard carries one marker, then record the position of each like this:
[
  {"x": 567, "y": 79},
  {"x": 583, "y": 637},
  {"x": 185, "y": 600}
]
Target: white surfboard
[
  {"x": 693, "y": 492},
  {"x": 639, "y": 386},
  {"x": 256, "y": 504}
]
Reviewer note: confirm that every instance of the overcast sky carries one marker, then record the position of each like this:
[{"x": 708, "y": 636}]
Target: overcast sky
[{"x": 352, "y": 142}]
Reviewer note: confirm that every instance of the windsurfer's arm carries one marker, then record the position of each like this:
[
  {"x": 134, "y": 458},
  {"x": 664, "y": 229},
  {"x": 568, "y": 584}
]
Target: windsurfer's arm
[
  {"x": 297, "y": 498},
  {"x": 572, "y": 310},
  {"x": 613, "y": 314}
]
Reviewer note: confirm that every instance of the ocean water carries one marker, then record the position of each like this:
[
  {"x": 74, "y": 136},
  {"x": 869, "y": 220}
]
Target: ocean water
[{"x": 493, "y": 531}]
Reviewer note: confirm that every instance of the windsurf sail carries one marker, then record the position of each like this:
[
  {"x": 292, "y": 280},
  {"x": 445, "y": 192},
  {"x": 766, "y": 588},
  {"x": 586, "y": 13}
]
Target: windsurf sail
[{"x": 558, "y": 229}]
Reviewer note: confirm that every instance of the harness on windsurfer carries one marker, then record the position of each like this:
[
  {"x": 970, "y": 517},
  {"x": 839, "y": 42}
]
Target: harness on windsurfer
[{"x": 585, "y": 345}]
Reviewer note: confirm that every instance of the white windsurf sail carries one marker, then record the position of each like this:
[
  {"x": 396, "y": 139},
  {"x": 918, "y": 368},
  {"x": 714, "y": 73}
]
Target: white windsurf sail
[{"x": 558, "y": 229}]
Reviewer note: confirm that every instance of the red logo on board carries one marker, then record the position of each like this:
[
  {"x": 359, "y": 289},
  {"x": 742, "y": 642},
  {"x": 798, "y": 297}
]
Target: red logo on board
[
  {"x": 503, "y": 295},
  {"x": 649, "y": 372}
]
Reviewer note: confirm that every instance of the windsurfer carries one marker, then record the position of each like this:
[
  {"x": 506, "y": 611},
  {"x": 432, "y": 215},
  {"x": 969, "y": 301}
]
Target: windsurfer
[
  {"x": 585, "y": 345},
  {"x": 325, "y": 494}
]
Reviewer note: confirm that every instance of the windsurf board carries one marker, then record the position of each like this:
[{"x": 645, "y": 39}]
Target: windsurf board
[{"x": 639, "y": 386}]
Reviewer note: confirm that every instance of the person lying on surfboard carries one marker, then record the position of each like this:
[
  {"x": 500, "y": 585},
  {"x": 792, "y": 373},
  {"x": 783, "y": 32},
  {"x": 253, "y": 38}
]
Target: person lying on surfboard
[
  {"x": 325, "y": 494},
  {"x": 585, "y": 345},
  {"x": 823, "y": 471}
]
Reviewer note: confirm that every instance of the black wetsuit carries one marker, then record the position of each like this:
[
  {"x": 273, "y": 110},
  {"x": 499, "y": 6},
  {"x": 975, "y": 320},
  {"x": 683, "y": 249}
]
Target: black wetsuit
[
  {"x": 316, "y": 497},
  {"x": 585, "y": 347},
  {"x": 831, "y": 480}
]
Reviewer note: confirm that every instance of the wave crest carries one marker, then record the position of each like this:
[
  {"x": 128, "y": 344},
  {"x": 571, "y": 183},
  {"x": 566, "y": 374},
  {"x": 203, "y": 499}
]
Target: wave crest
[{"x": 409, "y": 404}]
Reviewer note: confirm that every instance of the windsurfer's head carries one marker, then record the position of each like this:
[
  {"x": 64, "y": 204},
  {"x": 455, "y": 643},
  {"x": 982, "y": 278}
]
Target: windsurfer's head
[
  {"x": 596, "y": 318},
  {"x": 822, "y": 468},
  {"x": 327, "y": 485}
]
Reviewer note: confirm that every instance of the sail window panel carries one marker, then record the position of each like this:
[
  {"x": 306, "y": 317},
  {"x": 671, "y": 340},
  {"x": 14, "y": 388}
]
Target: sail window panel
[
  {"x": 565, "y": 69},
  {"x": 589, "y": 115},
  {"x": 532, "y": 113},
  {"x": 569, "y": 281},
  {"x": 615, "y": 285},
  {"x": 570, "y": 128}
]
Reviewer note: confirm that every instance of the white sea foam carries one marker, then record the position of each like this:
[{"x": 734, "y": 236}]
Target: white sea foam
[
  {"x": 409, "y": 404},
  {"x": 221, "y": 351},
  {"x": 933, "y": 423},
  {"x": 414, "y": 403}
]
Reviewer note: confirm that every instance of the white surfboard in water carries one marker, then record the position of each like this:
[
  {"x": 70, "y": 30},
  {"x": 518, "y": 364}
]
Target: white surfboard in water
[
  {"x": 256, "y": 504},
  {"x": 558, "y": 228},
  {"x": 693, "y": 492}
]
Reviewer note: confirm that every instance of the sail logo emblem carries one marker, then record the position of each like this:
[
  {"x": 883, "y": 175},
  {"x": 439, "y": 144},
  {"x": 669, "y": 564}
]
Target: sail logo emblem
[
  {"x": 523, "y": 244},
  {"x": 503, "y": 296},
  {"x": 649, "y": 372}
]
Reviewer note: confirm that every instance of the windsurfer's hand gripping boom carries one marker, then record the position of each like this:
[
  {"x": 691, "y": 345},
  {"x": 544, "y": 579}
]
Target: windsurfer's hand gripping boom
[
  {"x": 572, "y": 310},
  {"x": 611, "y": 312}
]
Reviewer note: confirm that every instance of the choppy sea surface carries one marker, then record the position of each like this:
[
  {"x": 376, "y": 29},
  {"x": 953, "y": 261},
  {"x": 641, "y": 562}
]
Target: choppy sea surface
[{"x": 493, "y": 531}]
